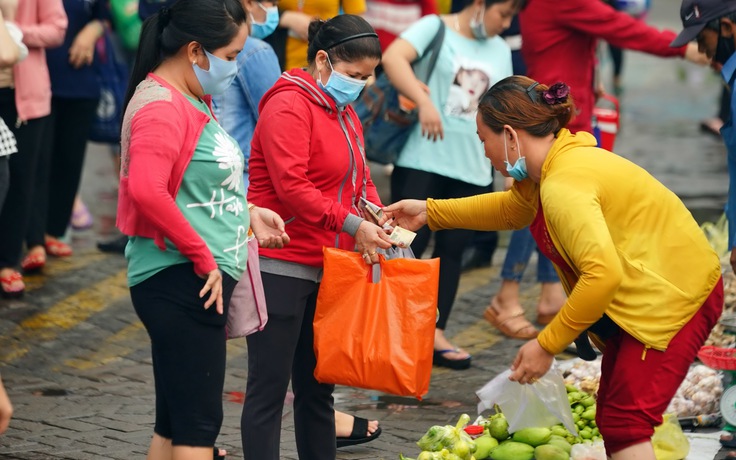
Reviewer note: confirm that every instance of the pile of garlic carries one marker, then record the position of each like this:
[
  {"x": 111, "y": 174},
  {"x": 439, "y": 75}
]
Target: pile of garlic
[{"x": 698, "y": 394}]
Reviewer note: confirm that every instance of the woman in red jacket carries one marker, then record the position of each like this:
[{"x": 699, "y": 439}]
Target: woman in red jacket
[
  {"x": 182, "y": 203},
  {"x": 560, "y": 38},
  {"x": 307, "y": 164}
]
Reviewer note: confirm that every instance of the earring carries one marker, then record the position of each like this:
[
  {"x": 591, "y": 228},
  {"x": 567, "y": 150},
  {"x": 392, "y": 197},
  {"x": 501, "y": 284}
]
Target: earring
[{"x": 194, "y": 62}]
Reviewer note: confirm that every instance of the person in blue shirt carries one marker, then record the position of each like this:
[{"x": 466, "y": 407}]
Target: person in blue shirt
[
  {"x": 713, "y": 24},
  {"x": 258, "y": 70}
]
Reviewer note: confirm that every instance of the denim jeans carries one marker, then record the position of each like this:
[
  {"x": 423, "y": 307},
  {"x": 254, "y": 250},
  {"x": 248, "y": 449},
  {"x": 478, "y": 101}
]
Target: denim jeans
[{"x": 520, "y": 250}]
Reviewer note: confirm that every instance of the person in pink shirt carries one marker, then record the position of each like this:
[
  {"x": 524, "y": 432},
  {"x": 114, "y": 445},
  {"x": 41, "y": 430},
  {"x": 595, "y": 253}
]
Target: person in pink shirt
[{"x": 25, "y": 105}]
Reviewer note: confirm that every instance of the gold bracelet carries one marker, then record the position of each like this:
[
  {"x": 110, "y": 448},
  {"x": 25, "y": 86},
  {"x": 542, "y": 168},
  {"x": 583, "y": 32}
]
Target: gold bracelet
[{"x": 251, "y": 206}]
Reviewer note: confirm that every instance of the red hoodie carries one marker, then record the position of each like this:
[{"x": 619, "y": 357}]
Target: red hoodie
[
  {"x": 307, "y": 164},
  {"x": 559, "y": 40}
]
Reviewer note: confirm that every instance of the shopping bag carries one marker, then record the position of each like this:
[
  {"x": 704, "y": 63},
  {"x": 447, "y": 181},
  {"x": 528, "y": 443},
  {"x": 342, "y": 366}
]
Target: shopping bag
[
  {"x": 669, "y": 441},
  {"x": 247, "y": 312},
  {"x": 386, "y": 125},
  {"x": 112, "y": 73},
  {"x": 376, "y": 335},
  {"x": 542, "y": 403}
]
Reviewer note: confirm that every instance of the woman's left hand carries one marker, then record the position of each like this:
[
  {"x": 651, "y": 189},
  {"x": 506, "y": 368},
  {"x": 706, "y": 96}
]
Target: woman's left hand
[
  {"x": 82, "y": 51},
  {"x": 268, "y": 228},
  {"x": 531, "y": 363}
]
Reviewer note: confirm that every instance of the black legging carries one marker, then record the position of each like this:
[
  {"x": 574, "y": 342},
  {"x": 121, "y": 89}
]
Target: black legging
[
  {"x": 284, "y": 349},
  {"x": 23, "y": 178},
  {"x": 449, "y": 245},
  {"x": 60, "y": 168},
  {"x": 188, "y": 350}
]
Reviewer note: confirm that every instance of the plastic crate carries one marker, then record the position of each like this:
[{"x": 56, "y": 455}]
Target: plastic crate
[{"x": 723, "y": 359}]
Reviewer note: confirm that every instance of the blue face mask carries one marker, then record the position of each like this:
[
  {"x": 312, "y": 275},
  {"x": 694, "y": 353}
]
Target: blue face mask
[
  {"x": 264, "y": 29},
  {"x": 518, "y": 170},
  {"x": 216, "y": 80},
  {"x": 478, "y": 27},
  {"x": 340, "y": 87}
]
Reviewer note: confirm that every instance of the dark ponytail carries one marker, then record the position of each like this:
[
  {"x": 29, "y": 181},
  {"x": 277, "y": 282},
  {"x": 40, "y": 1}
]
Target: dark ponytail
[
  {"x": 211, "y": 23},
  {"x": 346, "y": 37}
]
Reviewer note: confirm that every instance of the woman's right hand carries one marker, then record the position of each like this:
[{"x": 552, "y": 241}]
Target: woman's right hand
[
  {"x": 408, "y": 214},
  {"x": 214, "y": 287},
  {"x": 368, "y": 238},
  {"x": 430, "y": 120}
]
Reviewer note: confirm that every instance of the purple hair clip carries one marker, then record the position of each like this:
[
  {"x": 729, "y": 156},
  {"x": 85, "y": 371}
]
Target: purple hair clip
[{"x": 556, "y": 94}]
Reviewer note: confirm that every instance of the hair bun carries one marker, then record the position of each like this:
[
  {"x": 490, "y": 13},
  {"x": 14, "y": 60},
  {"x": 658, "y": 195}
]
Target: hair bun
[{"x": 314, "y": 28}]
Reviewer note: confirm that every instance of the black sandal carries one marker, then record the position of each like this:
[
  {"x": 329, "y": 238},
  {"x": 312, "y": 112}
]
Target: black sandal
[
  {"x": 357, "y": 436},
  {"x": 216, "y": 454}
]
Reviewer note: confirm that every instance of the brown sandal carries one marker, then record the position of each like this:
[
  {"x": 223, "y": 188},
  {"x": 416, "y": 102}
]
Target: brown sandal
[
  {"x": 515, "y": 326},
  {"x": 544, "y": 319}
]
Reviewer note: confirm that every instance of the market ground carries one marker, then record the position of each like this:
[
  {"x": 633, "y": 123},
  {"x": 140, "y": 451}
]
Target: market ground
[{"x": 76, "y": 360}]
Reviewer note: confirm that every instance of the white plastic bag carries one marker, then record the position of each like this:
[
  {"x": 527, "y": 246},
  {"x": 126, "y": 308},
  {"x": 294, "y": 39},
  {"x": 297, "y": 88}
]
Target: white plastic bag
[
  {"x": 595, "y": 451},
  {"x": 543, "y": 403}
]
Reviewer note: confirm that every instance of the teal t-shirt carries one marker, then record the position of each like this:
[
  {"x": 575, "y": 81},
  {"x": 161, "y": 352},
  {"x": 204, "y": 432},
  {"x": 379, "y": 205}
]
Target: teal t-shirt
[
  {"x": 212, "y": 198},
  {"x": 466, "y": 68}
]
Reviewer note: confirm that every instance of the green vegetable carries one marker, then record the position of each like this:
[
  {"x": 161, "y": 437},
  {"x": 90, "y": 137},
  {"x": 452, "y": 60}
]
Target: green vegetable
[{"x": 513, "y": 451}]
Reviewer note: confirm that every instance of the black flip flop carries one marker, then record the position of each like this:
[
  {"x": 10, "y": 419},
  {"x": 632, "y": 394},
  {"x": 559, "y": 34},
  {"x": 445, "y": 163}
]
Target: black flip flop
[
  {"x": 357, "y": 436},
  {"x": 439, "y": 359},
  {"x": 729, "y": 442},
  {"x": 216, "y": 454}
]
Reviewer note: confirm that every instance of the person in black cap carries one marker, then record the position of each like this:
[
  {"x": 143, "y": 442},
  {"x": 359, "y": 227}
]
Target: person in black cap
[{"x": 713, "y": 24}]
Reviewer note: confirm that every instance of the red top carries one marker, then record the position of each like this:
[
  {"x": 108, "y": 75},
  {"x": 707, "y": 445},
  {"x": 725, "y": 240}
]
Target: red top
[
  {"x": 160, "y": 131},
  {"x": 540, "y": 232},
  {"x": 307, "y": 164},
  {"x": 559, "y": 40}
]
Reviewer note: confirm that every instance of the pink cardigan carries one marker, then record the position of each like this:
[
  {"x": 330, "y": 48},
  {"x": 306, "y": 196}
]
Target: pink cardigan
[
  {"x": 161, "y": 129},
  {"x": 43, "y": 23}
]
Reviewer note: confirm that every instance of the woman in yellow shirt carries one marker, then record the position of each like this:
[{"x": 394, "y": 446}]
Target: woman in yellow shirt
[{"x": 640, "y": 275}]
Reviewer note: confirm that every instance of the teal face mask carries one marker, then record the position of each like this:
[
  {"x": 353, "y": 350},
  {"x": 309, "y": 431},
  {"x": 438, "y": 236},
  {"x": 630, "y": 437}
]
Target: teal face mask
[
  {"x": 266, "y": 28},
  {"x": 340, "y": 87},
  {"x": 216, "y": 80},
  {"x": 518, "y": 170}
]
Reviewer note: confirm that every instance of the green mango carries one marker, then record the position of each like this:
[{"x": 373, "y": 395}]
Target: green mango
[
  {"x": 550, "y": 452},
  {"x": 560, "y": 442},
  {"x": 513, "y": 451},
  {"x": 533, "y": 436},
  {"x": 499, "y": 428},
  {"x": 559, "y": 430},
  {"x": 484, "y": 445}
]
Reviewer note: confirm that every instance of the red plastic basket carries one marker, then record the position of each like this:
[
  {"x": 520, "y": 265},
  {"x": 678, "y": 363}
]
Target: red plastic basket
[{"x": 718, "y": 358}]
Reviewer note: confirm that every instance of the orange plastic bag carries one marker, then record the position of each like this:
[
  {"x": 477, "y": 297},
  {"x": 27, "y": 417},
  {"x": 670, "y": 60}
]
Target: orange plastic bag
[{"x": 377, "y": 336}]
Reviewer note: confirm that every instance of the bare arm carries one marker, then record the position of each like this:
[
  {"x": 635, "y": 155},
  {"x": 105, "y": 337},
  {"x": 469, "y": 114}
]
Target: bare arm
[
  {"x": 9, "y": 51},
  {"x": 397, "y": 64}
]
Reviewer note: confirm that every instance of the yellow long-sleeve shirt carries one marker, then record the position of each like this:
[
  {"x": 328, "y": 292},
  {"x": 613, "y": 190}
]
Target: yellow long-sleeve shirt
[{"x": 636, "y": 251}]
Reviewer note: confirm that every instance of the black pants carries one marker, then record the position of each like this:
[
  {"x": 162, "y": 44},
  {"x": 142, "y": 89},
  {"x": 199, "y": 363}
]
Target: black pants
[
  {"x": 284, "y": 349},
  {"x": 4, "y": 179},
  {"x": 60, "y": 167},
  {"x": 16, "y": 211},
  {"x": 449, "y": 245},
  {"x": 188, "y": 350}
]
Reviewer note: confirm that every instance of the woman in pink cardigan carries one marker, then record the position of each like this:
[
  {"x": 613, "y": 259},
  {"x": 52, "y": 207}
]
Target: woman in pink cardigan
[{"x": 25, "y": 104}]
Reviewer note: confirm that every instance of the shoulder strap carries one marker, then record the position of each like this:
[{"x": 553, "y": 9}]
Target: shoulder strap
[{"x": 434, "y": 47}]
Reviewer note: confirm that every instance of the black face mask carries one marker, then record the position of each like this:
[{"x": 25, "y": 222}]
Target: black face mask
[{"x": 725, "y": 48}]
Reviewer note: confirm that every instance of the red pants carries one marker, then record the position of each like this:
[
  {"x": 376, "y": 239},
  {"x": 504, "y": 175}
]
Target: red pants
[{"x": 637, "y": 385}]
